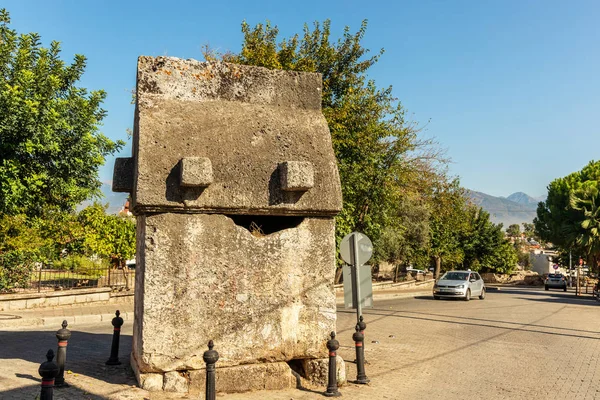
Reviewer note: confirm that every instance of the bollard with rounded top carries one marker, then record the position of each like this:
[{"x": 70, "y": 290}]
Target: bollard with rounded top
[
  {"x": 332, "y": 387},
  {"x": 63, "y": 335},
  {"x": 210, "y": 358},
  {"x": 117, "y": 322},
  {"x": 359, "y": 339},
  {"x": 48, "y": 371},
  {"x": 362, "y": 325}
]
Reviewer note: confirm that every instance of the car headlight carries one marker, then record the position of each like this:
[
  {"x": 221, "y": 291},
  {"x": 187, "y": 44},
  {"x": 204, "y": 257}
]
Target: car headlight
[{"x": 460, "y": 286}]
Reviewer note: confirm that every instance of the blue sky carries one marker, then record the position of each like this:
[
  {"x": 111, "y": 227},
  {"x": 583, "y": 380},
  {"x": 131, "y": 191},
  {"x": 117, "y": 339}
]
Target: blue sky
[{"x": 510, "y": 88}]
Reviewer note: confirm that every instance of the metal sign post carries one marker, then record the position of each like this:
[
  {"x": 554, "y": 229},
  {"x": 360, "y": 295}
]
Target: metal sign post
[
  {"x": 356, "y": 249},
  {"x": 356, "y": 264},
  {"x": 570, "y": 271}
]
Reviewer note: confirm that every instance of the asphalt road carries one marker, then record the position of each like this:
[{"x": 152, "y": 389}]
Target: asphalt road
[{"x": 515, "y": 344}]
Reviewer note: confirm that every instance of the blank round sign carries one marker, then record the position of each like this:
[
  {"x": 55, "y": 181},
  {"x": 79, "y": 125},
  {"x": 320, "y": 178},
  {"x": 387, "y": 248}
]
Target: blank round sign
[{"x": 365, "y": 248}]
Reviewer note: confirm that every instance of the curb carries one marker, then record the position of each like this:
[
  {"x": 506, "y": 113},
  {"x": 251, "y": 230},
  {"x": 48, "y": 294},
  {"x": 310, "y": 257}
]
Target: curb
[
  {"x": 20, "y": 322},
  {"x": 390, "y": 296},
  {"x": 12, "y": 321}
]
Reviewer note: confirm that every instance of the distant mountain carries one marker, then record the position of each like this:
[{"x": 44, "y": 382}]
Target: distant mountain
[
  {"x": 522, "y": 198},
  {"x": 504, "y": 210}
]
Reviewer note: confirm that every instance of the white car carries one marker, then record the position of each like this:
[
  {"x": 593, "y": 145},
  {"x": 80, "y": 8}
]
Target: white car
[
  {"x": 461, "y": 284},
  {"x": 414, "y": 271}
]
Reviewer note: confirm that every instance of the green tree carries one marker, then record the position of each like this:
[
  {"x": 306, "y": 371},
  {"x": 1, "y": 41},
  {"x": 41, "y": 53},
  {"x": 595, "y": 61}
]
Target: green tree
[
  {"x": 561, "y": 219},
  {"x": 587, "y": 200},
  {"x": 380, "y": 154},
  {"x": 50, "y": 146},
  {"x": 514, "y": 231},
  {"x": 485, "y": 245},
  {"x": 108, "y": 236},
  {"x": 21, "y": 245},
  {"x": 405, "y": 239},
  {"x": 529, "y": 230},
  {"x": 446, "y": 225}
]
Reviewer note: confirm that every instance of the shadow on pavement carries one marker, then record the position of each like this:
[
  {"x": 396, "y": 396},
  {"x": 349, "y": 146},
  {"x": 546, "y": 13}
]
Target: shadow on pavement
[
  {"x": 33, "y": 392},
  {"x": 572, "y": 300},
  {"x": 552, "y": 296},
  {"x": 486, "y": 320},
  {"x": 522, "y": 327},
  {"x": 86, "y": 355}
]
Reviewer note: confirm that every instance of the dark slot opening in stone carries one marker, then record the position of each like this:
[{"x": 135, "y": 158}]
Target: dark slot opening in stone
[
  {"x": 262, "y": 225},
  {"x": 297, "y": 370}
]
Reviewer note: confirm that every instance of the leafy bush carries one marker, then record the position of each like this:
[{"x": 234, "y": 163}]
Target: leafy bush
[
  {"x": 81, "y": 265},
  {"x": 15, "y": 270}
]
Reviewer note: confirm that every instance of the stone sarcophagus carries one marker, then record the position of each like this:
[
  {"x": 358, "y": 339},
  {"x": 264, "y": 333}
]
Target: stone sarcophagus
[{"x": 235, "y": 185}]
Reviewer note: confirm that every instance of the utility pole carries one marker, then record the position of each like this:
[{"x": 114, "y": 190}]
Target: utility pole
[
  {"x": 570, "y": 270},
  {"x": 578, "y": 272}
]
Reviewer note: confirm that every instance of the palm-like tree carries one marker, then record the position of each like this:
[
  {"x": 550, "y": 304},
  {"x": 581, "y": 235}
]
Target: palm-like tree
[{"x": 587, "y": 200}]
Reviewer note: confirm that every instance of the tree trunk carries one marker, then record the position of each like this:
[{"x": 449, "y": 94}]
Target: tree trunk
[
  {"x": 396, "y": 270},
  {"x": 438, "y": 266},
  {"x": 338, "y": 275}
]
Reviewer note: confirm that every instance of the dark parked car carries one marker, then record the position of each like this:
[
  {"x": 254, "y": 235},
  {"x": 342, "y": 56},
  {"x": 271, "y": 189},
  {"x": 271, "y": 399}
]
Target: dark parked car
[{"x": 556, "y": 281}]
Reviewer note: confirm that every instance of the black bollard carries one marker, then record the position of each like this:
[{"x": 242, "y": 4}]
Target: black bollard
[
  {"x": 117, "y": 322},
  {"x": 332, "y": 387},
  {"x": 48, "y": 371},
  {"x": 63, "y": 335},
  {"x": 210, "y": 358},
  {"x": 359, "y": 339},
  {"x": 362, "y": 325}
]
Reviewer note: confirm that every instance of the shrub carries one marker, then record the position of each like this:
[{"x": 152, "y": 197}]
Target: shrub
[
  {"x": 81, "y": 265},
  {"x": 15, "y": 270}
]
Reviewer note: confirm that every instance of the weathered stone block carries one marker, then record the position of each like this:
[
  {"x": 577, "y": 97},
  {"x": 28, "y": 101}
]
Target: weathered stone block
[
  {"x": 231, "y": 243},
  {"x": 247, "y": 120},
  {"x": 18, "y": 305},
  {"x": 297, "y": 176},
  {"x": 196, "y": 172},
  {"x": 244, "y": 378},
  {"x": 268, "y": 298},
  {"x": 64, "y": 300},
  {"x": 175, "y": 381},
  {"x": 123, "y": 175},
  {"x": 35, "y": 303},
  {"x": 151, "y": 382},
  {"x": 317, "y": 371}
]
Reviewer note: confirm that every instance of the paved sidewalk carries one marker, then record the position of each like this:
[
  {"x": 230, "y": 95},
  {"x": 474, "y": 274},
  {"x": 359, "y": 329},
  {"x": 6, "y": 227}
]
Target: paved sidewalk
[
  {"x": 74, "y": 314},
  {"x": 386, "y": 294},
  {"x": 417, "y": 348}
]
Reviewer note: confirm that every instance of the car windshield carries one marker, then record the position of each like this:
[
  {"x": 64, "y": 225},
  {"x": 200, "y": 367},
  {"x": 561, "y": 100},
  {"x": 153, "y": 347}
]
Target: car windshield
[
  {"x": 555, "y": 276},
  {"x": 456, "y": 276}
]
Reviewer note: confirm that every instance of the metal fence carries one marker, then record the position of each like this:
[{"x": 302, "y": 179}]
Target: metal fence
[{"x": 49, "y": 279}]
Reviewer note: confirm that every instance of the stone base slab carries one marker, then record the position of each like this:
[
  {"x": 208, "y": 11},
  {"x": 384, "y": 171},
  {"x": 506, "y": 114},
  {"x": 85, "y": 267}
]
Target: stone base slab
[
  {"x": 317, "y": 371},
  {"x": 241, "y": 378},
  {"x": 244, "y": 378}
]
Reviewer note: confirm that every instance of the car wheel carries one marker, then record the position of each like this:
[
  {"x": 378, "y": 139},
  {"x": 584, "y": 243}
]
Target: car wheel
[
  {"x": 468, "y": 295},
  {"x": 545, "y": 287},
  {"x": 436, "y": 297},
  {"x": 482, "y": 295}
]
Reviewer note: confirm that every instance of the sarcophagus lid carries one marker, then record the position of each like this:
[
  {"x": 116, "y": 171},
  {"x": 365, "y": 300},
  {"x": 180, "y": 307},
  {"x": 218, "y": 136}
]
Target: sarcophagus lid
[{"x": 216, "y": 137}]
